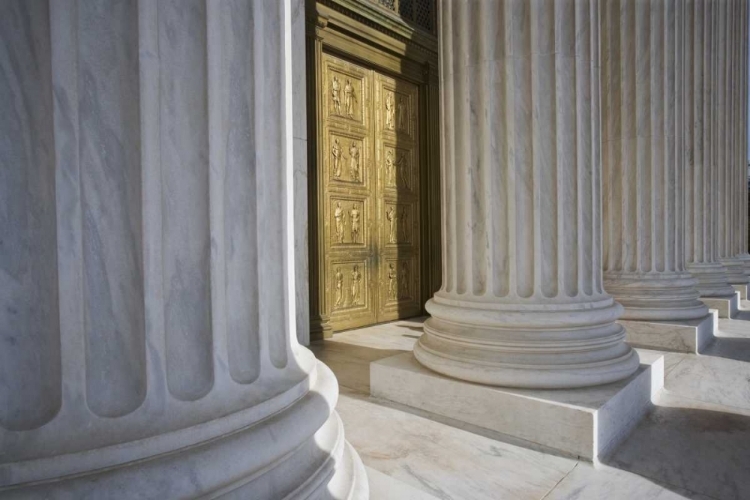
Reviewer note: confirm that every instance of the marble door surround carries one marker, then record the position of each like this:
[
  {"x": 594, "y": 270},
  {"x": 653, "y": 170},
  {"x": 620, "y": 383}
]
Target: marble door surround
[{"x": 147, "y": 274}]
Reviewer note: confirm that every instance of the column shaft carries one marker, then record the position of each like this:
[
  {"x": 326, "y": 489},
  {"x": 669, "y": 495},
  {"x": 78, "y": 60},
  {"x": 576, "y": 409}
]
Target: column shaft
[
  {"x": 701, "y": 182},
  {"x": 522, "y": 302},
  {"x": 643, "y": 160},
  {"x": 147, "y": 328},
  {"x": 738, "y": 131},
  {"x": 729, "y": 195}
]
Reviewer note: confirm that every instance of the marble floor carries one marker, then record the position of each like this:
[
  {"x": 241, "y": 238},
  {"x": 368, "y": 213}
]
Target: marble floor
[{"x": 694, "y": 444}]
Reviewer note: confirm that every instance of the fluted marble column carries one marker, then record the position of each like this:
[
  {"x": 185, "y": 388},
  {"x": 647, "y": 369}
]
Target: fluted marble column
[
  {"x": 701, "y": 180},
  {"x": 147, "y": 336},
  {"x": 742, "y": 132},
  {"x": 522, "y": 302},
  {"x": 643, "y": 160},
  {"x": 728, "y": 191},
  {"x": 738, "y": 132}
]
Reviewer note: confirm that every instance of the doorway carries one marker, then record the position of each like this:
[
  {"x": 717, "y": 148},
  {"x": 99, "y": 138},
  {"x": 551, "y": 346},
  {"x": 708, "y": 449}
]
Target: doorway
[
  {"x": 373, "y": 163},
  {"x": 371, "y": 187}
]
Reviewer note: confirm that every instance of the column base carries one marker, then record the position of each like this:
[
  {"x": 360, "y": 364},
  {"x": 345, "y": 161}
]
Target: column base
[
  {"x": 585, "y": 423},
  {"x": 745, "y": 259},
  {"x": 527, "y": 346},
  {"x": 299, "y": 452},
  {"x": 727, "y": 306},
  {"x": 735, "y": 271},
  {"x": 350, "y": 480},
  {"x": 712, "y": 279},
  {"x": 742, "y": 289},
  {"x": 664, "y": 296},
  {"x": 682, "y": 336}
]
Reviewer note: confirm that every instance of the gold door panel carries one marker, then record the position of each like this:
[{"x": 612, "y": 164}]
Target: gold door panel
[
  {"x": 397, "y": 151},
  {"x": 348, "y": 158},
  {"x": 346, "y": 87},
  {"x": 371, "y": 196},
  {"x": 350, "y": 293}
]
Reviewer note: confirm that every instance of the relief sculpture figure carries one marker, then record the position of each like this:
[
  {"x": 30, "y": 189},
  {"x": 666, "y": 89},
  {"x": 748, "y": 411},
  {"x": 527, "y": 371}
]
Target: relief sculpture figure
[
  {"x": 405, "y": 225},
  {"x": 354, "y": 161},
  {"x": 349, "y": 98},
  {"x": 354, "y": 217},
  {"x": 390, "y": 178},
  {"x": 390, "y": 110},
  {"x": 392, "y": 282},
  {"x": 336, "y": 153},
  {"x": 339, "y": 287},
  {"x": 402, "y": 113},
  {"x": 336, "y": 95},
  {"x": 403, "y": 169},
  {"x": 338, "y": 215},
  {"x": 404, "y": 281},
  {"x": 390, "y": 215},
  {"x": 356, "y": 285}
]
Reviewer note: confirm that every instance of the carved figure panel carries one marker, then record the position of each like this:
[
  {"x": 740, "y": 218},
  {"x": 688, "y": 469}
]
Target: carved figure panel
[
  {"x": 347, "y": 221},
  {"x": 398, "y": 281},
  {"x": 346, "y": 91},
  {"x": 398, "y": 168},
  {"x": 347, "y": 156},
  {"x": 349, "y": 285},
  {"x": 399, "y": 220},
  {"x": 397, "y": 111}
]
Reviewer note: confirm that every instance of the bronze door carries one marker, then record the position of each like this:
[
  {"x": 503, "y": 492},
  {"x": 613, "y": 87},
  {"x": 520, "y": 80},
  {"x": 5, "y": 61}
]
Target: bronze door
[{"x": 371, "y": 192}]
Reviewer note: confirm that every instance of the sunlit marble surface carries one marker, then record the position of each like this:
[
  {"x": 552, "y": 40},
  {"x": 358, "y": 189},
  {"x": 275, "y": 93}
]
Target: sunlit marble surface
[{"x": 694, "y": 445}]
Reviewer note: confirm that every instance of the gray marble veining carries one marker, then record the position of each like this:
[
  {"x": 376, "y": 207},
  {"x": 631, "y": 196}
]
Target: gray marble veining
[
  {"x": 30, "y": 369},
  {"x": 147, "y": 256}
]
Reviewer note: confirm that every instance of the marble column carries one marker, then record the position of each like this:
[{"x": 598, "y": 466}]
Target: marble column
[
  {"x": 147, "y": 296},
  {"x": 643, "y": 167},
  {"x": 743, "y": 121},
  {"x": 522, "y": 302},
  {"x": 738, "y": 131},
  {"x": 701, "y": 181},
  {"x": 728, "y": 191}
]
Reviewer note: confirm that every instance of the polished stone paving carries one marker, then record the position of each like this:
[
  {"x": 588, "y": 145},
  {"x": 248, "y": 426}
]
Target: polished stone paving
[{"x": 694, "y": 444}]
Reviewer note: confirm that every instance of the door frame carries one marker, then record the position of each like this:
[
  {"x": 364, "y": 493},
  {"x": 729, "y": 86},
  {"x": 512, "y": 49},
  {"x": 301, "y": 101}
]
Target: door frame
[{"x": 366, "y": 34}]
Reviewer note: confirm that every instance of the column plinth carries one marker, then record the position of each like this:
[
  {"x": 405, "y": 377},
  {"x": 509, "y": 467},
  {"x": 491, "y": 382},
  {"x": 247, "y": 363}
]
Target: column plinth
[{"x": 522, "y": 302}]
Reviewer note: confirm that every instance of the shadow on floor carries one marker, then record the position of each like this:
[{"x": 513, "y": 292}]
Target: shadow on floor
[
  {"x": 702, "y": 451},
  {"x": 349, "y": 362},
  {"x": 416, "y": 328},
  {"x": 737, "y": 348}
]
